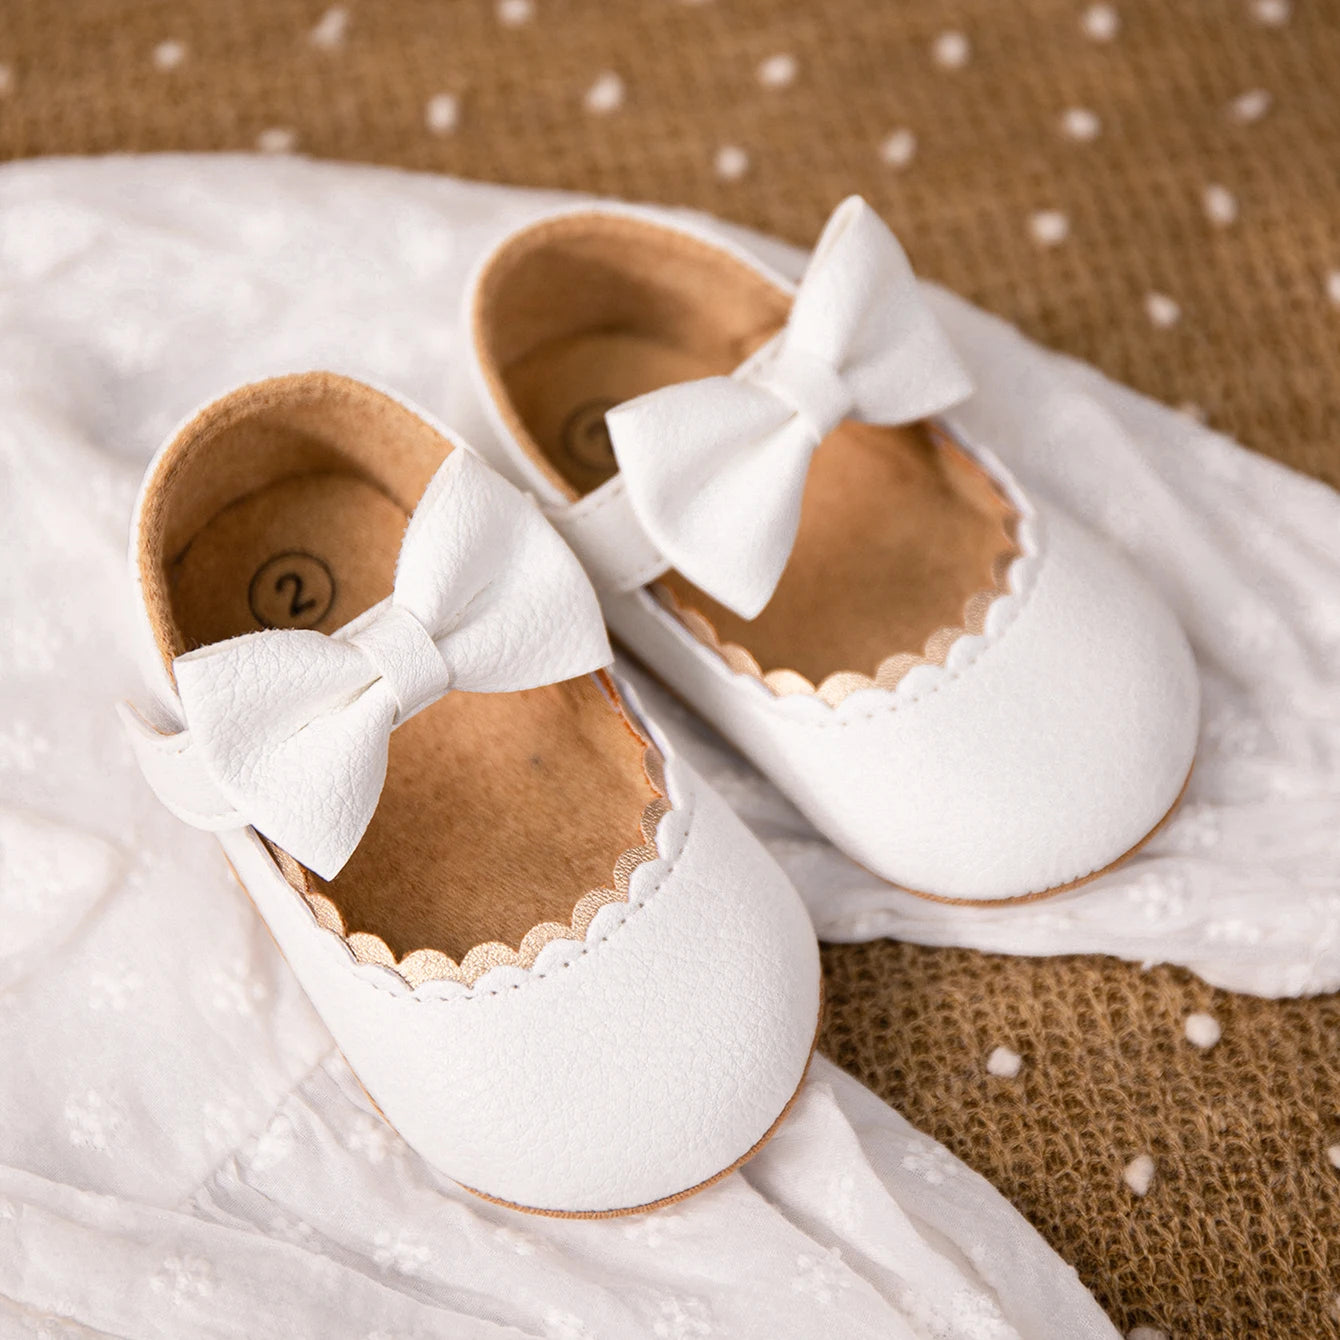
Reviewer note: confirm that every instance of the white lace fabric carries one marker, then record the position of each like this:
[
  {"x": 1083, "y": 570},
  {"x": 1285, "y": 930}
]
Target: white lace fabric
[{"x": 182, "y": 1152}]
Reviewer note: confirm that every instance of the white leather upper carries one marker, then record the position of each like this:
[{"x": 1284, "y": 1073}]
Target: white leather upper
[
  {"x": 615, "y": 1071},
  {"x": 1042, "y": 751}
]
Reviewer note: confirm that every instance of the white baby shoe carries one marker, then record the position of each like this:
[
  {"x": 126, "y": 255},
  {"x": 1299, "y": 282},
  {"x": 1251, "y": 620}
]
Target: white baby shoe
[
  {"x": 559, "y": 964},
  {"x": 961, "y": 687}
]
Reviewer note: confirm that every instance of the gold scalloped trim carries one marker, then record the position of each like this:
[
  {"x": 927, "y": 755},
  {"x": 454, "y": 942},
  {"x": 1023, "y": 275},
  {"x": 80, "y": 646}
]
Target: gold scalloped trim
[
  {"x": 431, "y": 965},
  {"x": 890, "y": 671}
]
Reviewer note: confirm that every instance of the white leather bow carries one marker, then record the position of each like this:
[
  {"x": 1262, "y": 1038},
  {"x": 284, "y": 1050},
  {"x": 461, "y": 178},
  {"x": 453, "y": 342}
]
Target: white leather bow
[
  {"x": 288, "y": 729},
  {"x": 715, "y": 469}
]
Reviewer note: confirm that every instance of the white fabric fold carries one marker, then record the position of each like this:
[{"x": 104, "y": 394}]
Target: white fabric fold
[
  {"x": 715, "y": 468},
  {"x": 323, "y": 1223},
  {"x": 180, "y": 1152},
  {"x": 292, "y": 726}
]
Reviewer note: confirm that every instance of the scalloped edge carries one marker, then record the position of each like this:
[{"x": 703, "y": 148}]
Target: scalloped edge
[
  {"x": 1006, "y": 582},
  {"x": 432, "y": 965}
]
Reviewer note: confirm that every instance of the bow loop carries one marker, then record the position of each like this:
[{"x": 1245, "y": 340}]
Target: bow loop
[
  {"x": 292, "y": 727},
  {"x": 715, "y": 469}
]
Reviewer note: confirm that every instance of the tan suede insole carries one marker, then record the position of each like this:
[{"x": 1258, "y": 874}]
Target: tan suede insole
[
  {"x": 500, "y": 810},
  {"x": 898, "y": 526}
]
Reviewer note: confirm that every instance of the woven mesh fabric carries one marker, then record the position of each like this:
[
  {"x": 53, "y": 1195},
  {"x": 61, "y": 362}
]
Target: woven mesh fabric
[
  {"x": 1056, "y": 172},
  {"x": 1254, "y": 347},
  {"x": 1239, "y": 1232}
]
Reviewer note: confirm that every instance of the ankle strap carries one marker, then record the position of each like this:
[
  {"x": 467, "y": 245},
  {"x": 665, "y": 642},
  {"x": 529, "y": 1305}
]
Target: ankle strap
[{"x": 603, "y": 532}]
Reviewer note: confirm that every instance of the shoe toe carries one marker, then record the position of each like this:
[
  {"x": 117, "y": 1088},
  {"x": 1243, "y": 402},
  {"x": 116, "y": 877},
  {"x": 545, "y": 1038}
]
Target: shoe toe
[
  {"x": 1045, "y": 756},
  {"x": 631, "y": 1067}
]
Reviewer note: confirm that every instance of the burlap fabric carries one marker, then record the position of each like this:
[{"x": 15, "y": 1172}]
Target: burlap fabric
[{"x": 1153, "y": 187}]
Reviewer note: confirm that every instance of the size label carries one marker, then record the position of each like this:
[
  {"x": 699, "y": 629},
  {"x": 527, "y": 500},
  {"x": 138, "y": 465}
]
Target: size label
[
  {"x": 586, "y": 439},
  {"x": 291, "y": 590}
]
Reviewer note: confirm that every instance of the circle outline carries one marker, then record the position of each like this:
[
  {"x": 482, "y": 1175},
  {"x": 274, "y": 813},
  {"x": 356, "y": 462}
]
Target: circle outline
[
  {"x": 260, "y": 572},
  {"x": 579, "y": 418}
]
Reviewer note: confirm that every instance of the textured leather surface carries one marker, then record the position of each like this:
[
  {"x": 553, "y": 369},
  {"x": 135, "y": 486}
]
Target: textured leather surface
[
  {"x": 1044, "y": 757},
  {"x": 1038, "y": 755},
  {"x": 617, "y": 1071},
  {"x": 604, "y": 532},
  {"x": 715, "y": 468}
]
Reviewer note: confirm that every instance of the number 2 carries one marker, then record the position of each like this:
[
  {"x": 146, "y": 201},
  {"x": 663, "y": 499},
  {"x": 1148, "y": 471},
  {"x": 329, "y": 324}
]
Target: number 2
[{"x": 297, "y": 606}]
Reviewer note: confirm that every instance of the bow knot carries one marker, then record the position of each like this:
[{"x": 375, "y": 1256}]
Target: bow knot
[
  {"x": 402, "y": 652},
  {"x": 715, "y": 469},
  {"x": 288, "y": 729},
  {"x": 809, "y": 384}
]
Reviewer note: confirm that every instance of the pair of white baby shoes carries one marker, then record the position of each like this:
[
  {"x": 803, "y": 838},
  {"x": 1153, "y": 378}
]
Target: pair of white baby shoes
[{"x": 560, "y": 965}]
